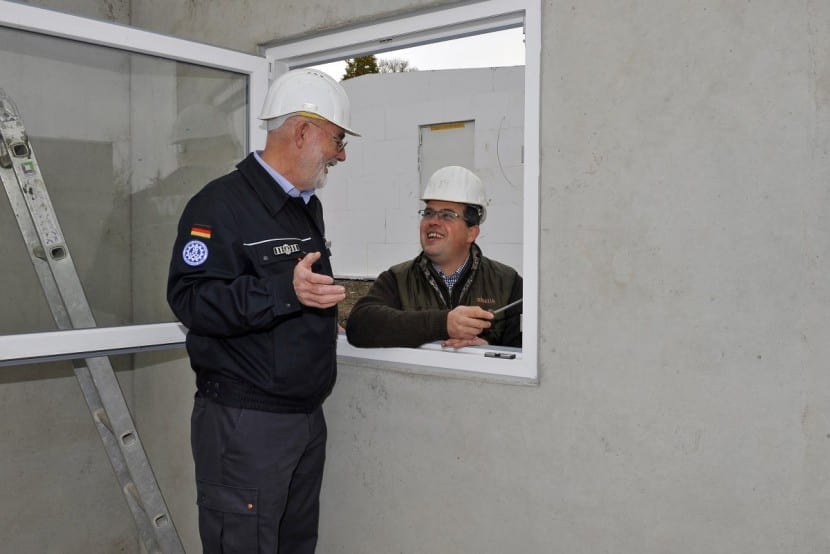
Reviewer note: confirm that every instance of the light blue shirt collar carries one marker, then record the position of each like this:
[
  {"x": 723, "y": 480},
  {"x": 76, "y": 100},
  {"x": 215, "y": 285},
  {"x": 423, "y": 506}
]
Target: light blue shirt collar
[{"x": 289, "y": 189}]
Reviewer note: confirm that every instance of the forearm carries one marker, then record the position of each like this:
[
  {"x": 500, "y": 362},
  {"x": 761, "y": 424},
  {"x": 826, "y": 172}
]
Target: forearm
[
  {"x": 378, "y": 319},
  {"x": 372, "y": 325}
]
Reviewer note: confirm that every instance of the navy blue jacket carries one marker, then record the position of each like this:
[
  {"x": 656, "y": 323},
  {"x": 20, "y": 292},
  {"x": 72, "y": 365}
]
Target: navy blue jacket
[{"x": 230, "y": 284}]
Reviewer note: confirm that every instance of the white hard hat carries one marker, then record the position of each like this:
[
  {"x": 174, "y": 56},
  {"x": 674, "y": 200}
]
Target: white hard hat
[
  {"x": 456, "y": 184},
  {"x": 199, "y": 121},
  {"x": 308, "y": 92}
]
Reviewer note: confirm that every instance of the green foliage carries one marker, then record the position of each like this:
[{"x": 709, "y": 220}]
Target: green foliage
[{"x": 361, "y": 65}]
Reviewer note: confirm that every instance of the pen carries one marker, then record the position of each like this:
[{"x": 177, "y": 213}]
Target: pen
[{"x": 497, "y": 310}]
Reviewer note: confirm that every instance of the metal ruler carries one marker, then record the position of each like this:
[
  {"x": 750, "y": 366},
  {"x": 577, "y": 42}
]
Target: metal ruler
[{"x": 53, "y": 264}]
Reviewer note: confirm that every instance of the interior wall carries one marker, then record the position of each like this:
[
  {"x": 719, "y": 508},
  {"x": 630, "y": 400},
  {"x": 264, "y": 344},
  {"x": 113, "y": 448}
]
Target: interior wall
[
  {"x": 115, "y": 11},
  {"x": 683, "y": 404}
]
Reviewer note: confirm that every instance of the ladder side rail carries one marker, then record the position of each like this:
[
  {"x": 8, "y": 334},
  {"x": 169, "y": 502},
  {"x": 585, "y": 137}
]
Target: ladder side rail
[
  {"x": 53, "y": 264},
  {"x": 82, "y": 373},
  {"x": 119, "y": 463}
]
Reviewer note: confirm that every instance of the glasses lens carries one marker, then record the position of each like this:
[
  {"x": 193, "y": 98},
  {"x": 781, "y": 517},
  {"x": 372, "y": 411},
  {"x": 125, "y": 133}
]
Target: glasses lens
[
  {"x": 339, "y": 143},
  {"x": 444, "y": 215}
]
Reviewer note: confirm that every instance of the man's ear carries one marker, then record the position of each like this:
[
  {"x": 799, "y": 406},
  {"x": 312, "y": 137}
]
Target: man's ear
[
  {"x": 472, "y": 233},
  {"x": 300, "y": 133}
]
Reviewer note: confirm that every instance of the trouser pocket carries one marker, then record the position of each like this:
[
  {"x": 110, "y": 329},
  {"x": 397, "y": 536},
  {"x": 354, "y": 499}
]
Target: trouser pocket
[{"x": 227, "y": 518}]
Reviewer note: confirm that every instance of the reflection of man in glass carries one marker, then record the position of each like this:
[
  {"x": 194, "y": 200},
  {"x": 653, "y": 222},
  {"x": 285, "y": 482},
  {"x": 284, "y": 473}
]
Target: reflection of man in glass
[
  {"x": 205, "y": 149},
  {"x": 449, "y": 291}
]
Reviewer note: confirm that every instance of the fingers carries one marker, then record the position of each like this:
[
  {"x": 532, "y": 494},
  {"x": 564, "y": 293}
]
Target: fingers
[
  {"x": 321, "y": 296},
  {"x": 308, "y": 260},
  {"x": 315, "y": 289},
  {"x": 466, "y": 322},
  {"x": 461, "y": 343}
]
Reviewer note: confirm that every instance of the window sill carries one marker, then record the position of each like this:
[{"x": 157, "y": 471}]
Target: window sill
[{"x": 482, "y": 363}]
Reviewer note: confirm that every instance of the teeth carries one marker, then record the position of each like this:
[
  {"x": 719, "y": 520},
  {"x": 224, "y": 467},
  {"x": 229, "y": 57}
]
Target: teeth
[{"x": 433, "y": 236}]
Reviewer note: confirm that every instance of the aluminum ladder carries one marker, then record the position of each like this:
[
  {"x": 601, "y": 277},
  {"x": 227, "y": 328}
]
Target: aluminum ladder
[{"x": 53, "y": 264}]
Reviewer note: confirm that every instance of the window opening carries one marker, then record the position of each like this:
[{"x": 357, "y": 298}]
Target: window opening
[{"x": 350, "y": 188}]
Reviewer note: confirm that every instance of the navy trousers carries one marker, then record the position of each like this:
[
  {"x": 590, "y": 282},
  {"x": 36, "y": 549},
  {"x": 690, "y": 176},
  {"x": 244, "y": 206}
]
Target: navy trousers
[{"x": 258, "y": 477}]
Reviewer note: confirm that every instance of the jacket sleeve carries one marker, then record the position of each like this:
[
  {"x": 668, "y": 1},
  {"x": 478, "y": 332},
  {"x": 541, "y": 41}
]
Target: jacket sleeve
[
  {"x": 513, "y": 317},
  {"x": 217, "y": 292},
  {"x": 377, "y": 319}
]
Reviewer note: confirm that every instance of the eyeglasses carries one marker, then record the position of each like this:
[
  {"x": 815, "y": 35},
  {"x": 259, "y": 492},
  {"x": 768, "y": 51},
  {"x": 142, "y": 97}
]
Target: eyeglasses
[
  {"x": 338, "y": 141},
  {"x": 447, "y": 216}
]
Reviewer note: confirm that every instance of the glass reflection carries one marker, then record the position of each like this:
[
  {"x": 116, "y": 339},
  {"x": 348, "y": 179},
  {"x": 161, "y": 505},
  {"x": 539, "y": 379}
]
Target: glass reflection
[{"x": 122, "y": 141}]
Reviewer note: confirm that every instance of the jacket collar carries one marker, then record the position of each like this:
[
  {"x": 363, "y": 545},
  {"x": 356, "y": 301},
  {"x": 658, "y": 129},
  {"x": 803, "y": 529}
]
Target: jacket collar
[
  {"x": 269, "y": 192},
  {"x": 465, "y": 280},
  {"x": 273, "y": 197},
  {"x": 475, "y": 259}
]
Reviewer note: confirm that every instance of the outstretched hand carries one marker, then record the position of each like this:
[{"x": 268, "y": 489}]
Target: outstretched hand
[
  {"x": 464, "y": 324},
  {"x": 315, "y": 289}
]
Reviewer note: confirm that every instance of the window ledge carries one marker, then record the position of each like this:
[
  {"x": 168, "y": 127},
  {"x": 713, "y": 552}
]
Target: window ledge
[{"x": 482, "y": 363}]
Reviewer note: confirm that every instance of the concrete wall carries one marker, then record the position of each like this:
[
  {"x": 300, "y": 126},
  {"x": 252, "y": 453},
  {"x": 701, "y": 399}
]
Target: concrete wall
[{"x": 683, "y": 404}]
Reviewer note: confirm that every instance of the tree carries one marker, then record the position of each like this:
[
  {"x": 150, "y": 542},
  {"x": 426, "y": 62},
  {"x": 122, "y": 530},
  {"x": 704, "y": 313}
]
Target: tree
[
  {"x": 395, "y": 65},
  {"x": 361, "y": 65}
]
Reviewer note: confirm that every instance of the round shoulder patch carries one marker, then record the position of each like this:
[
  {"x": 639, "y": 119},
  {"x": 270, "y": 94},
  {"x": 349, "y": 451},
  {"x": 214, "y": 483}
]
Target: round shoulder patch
[{"x": 195, "y": 253}]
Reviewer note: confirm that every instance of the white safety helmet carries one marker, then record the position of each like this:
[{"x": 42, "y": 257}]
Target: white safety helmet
[
  {"x": 199, "y": 121},
  {"x": 457, "y": 184},
  {"x": 308, "y": 92}
]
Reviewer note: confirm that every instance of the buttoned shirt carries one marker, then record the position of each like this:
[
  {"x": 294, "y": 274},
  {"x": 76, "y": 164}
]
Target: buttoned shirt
[
  {"x": 286, "y": 185},
  {"x": 451, "y": 279}
]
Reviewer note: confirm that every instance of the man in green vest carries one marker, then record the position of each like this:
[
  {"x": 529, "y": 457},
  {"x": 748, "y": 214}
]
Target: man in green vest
[{"x": 450, "y": 291}]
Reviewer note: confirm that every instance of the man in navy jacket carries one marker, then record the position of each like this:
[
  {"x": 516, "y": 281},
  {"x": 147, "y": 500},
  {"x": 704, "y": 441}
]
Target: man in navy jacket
[{"x": 250, "y": 278}]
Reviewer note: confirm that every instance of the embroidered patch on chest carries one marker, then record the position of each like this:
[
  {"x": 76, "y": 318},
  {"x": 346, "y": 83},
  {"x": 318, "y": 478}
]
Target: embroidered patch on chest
[{"x": 285, "y": 249}]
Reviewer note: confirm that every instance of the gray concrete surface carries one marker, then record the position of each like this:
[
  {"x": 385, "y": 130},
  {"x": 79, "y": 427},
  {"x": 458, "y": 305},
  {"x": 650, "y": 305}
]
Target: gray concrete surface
[{"x": 683, "y": 404}]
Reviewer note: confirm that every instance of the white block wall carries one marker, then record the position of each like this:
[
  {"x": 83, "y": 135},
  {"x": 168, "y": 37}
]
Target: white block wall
[{"x": 371, "y": 200}]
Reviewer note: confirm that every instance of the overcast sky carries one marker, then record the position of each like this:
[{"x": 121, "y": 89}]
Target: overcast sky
[{"x": 503, "y": 48}]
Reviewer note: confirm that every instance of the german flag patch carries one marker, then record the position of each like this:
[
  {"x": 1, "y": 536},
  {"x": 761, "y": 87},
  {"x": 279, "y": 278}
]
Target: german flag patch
[{"x": 201, "y": 231}]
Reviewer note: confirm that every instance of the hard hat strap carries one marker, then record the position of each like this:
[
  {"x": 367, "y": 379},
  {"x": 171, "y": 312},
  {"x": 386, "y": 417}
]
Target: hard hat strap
[{"x": 312, "y": 116}]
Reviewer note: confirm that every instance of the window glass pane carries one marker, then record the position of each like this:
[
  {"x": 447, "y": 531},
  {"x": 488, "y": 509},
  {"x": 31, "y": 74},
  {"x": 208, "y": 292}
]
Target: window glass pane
[{"x": 122, "y": 140}]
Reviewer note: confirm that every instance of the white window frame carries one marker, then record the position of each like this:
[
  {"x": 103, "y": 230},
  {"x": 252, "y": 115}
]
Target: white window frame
[
  {"x": 434, "y": 26},
  {"x": 36, "y": 347},
  {"x": 425, "y": 28}
]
